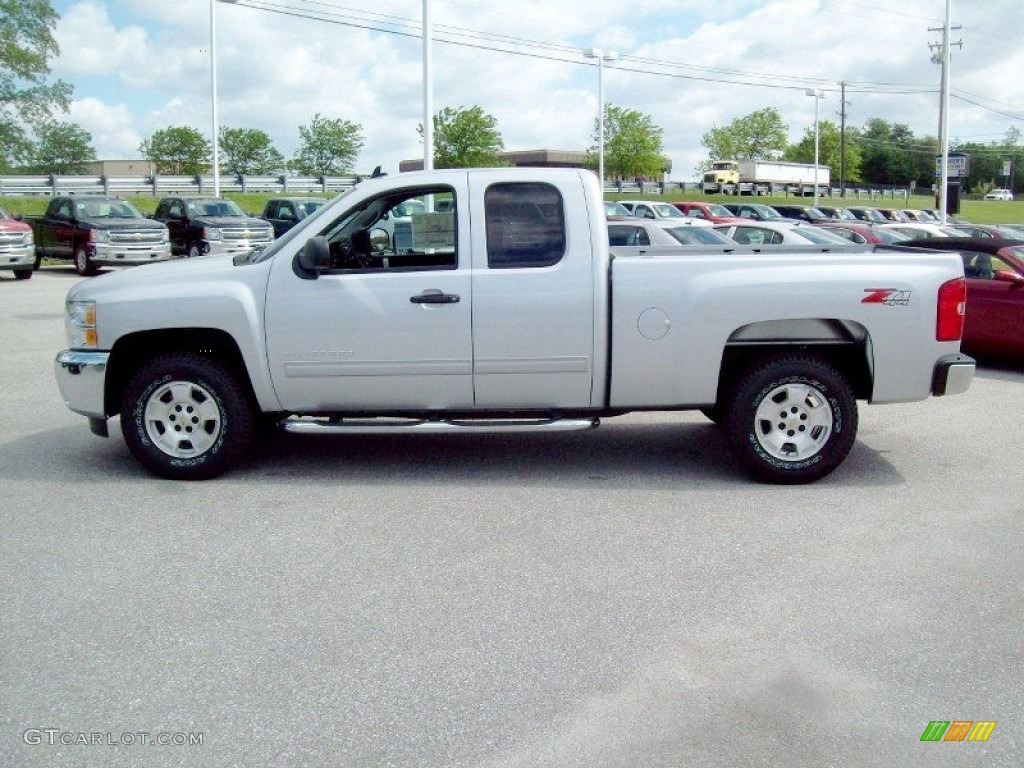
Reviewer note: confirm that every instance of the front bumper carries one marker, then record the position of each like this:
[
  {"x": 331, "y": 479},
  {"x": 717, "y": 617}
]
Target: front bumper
[
  {"x": 81, "y": 377},
  {"x": 114, "y": 254},
  {"x": 17, "y": 257},
  {"x": 952, "y": 375}
]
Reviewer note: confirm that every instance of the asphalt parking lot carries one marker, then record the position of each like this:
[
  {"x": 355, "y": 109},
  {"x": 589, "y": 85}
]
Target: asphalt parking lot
[{"x": 622, "y": 597}]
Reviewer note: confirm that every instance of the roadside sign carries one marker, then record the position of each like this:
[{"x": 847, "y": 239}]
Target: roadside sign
[{"x": 958, "y": 165}]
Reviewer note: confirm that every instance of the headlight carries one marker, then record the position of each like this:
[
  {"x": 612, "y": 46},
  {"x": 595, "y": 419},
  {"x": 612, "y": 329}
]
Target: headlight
[
  {"x": 80, "y": 325},
  {"x": 211, "y": 233},
  {"x": 270, "y": 233},
  {"x": 30, "y": 237},
  {"x": 165, "y": 235},
  {"x": 99, "y": 236}
]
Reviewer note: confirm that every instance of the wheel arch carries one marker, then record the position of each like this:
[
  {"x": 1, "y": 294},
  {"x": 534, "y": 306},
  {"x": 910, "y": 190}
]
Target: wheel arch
[
  {"x": 843, "y": 344},
  {"x": 134, "y": 350}
]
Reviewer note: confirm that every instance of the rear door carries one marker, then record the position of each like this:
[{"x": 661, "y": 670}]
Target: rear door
[{"x": 533, "y": 292}]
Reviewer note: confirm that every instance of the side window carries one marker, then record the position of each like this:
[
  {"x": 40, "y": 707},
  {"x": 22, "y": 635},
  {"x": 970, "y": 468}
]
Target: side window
[
  {"x": 695, "y": 213},
  {"x": 620, "y": 234},
  {"x": 176, "y": 209},
  {"x": 271, "y": 210},
  {"x": 979, "y": 266},
  {"x": 410, "y": 229},
  {"x": 525, "y": 224}
]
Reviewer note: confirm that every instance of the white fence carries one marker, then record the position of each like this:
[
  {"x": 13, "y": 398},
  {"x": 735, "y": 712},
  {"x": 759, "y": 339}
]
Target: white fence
[{"x": 118, "y": 186}]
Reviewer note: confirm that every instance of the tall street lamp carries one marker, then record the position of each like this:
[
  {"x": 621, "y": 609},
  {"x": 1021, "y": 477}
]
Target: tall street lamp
[
  {"x": 213, "y": 93},
  {"x": 602, "y": 57},
  {"x": 818, "y": 95}
]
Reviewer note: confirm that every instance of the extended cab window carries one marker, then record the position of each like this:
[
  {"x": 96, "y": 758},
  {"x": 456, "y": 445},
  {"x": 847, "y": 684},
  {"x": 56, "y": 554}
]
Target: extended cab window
[
  {"x": 410, "y": 229},
  {"x": 525, "y": 225}
]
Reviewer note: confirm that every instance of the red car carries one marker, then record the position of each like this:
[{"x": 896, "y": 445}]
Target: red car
[
  {"x": 713, "y": 212},
  {"x": 994, "y": 267}
]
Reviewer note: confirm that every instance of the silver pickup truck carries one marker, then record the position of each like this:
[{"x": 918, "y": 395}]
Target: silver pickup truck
[{"x": 499, "y": 306}]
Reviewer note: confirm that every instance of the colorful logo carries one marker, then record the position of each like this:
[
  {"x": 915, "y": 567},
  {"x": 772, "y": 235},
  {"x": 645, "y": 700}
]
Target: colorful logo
[{"x": 958, "y": 730}]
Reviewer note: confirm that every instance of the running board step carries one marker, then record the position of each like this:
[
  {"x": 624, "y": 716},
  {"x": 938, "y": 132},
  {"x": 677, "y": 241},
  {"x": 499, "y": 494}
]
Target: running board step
[{"x": 425, "y": 426}]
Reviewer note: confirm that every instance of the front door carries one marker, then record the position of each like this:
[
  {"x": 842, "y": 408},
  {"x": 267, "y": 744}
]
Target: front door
[{"x": 387, "y": 326}]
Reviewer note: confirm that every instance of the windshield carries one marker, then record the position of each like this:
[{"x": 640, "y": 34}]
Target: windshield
[
  {"x": 722, "y": 166},
  {"x": 698, "y": 236},
  {"x": 1010, "y": 233},
  {"x": 107, "y": 209},
  {"x": 819, "y": 236},
  {"x": 719, "y": 210},
  {"x": 888, "y": 236},
  {"x": 308, "y": 206},
  {"x": 214, "y": 206},
  {"x": 766, "y": 212},
  {"x": 666, "y": 211},
  {"x": 615, "y": 209}
]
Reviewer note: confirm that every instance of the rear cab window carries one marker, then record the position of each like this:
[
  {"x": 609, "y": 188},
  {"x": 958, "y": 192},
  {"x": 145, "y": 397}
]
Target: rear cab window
[{"x": 525, "y": 225}]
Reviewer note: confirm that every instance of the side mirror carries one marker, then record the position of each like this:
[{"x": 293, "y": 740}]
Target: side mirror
[
  {"x": 315, "y": 256},
  {"x": 380, "y": 240}
]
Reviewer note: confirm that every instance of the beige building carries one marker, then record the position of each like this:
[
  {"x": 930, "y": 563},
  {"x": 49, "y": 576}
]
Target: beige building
[{"x": 120, "y": 168}]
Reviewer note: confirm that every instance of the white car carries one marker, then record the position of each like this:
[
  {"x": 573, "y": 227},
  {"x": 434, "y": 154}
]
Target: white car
[
  {"x": 999, "y": 194},
  {"x": 919, "y": 214},
  {"x": 775, "y": 233},
  {"x": 920, "y": 230},
  {"x": 652, "y": 209},
  {"x": 634, "y": 232}
]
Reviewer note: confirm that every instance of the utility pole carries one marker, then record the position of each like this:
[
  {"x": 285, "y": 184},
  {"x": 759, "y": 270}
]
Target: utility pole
[
  {"x": 842, "y": 138},
  {"x": 942, "y": 57}
]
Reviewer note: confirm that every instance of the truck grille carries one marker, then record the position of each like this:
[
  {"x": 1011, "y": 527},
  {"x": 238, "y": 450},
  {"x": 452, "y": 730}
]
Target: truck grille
[
  {"x": 248, "y": 234},
  {"x": 145, "y": 238},
  {"x": 13, "y": 239}
]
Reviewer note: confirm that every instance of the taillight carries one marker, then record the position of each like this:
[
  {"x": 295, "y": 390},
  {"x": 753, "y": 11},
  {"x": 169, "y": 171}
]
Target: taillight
[{"x": 949, "y": 320}]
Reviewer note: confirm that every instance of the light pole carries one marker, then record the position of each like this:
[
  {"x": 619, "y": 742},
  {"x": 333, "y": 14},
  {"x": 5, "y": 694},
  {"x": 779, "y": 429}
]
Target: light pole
[
  {"x": 602, "y": 57},
  {"x": 213, "y": 94},
  {"x": 428, "y": 91},
  {"x": 818, "y": 95}
]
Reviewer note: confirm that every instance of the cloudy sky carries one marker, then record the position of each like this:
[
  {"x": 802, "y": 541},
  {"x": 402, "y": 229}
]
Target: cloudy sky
[{"x": 141, "y": 65}]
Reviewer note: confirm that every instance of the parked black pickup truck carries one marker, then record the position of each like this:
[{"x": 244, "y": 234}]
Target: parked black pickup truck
[
  {"x": 97, "y": 232},
  {"x": 201, "y": 225},
  {"x": 285, "y": 212}
]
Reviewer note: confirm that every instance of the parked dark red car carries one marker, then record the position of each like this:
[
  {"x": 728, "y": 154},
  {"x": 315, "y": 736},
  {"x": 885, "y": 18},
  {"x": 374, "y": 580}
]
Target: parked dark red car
[{"x": 994, "y": 267}]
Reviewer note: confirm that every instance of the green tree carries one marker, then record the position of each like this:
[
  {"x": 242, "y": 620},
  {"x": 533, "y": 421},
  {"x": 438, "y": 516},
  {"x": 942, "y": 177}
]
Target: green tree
[
  {"x": 26, "y": 99},
  {"x": 248, "y": 152},
  {"x": 329, "y": 147},
  {"x": 633, "y": 144},
  {"x": 761, "y": 135},
  {"x": 887, "y": 152},
  {"x": 465, "y": 138},
  {"x": 177, "y": 150},
  {"x": 63, "y": 148},
  {"x": 829, "y": 148}
]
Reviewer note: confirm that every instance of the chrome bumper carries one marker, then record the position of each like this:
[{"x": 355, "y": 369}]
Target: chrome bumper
[
  {"x": 17, "y": 257},
  {"x": 113, "y": 254},
  {"x": 952, "y": 375},
  {"x": 80, "y": 377}
]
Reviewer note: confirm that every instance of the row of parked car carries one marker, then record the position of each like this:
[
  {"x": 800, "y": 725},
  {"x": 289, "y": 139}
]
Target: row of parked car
[
  {"x": 96, "y": 231},
  {"x": 993, "y": 255}
]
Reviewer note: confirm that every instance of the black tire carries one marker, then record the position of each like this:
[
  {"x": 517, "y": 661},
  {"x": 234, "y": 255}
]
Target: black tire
[
  {"x": 83, "y": 264},
  {"x": 186, "y": 417},
  {"x": 22, "y": 274},
  {"x": 38, "y": 262},
  {"x": 193, "y": 251},
  {"x": 791, "y": 419},
  {"x": 713, "y": 413}
]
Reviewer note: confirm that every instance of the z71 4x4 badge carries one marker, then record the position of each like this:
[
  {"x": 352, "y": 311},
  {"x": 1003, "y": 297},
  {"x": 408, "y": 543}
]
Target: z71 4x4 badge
[{"x": 890, "y": 297}]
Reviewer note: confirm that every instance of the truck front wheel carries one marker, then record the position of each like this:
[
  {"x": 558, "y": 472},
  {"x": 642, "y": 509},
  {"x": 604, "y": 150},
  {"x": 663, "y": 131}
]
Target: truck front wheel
[
  {"x": 83, "y": 264},
  {"x": 791, "y": 419},
  {"x": 186, "y": 417}
]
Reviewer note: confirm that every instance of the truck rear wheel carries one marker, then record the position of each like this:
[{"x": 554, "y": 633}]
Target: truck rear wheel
[
  {"x": 22, "y": 274},
  {"x": 83, "y": 264},
  {"x": 186, "y": 417},
  {"x": 791, "y": 419}
]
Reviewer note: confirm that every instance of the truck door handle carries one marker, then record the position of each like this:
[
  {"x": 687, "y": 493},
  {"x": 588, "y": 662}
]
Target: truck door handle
[{"x": 434, "y": 296}]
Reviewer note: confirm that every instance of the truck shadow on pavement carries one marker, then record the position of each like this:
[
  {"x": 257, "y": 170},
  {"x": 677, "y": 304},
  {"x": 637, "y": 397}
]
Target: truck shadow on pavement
[{"x": 669, "y": 455}]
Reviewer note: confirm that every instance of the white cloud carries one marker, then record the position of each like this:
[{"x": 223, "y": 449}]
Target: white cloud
[{"x": 276, "y": 71}]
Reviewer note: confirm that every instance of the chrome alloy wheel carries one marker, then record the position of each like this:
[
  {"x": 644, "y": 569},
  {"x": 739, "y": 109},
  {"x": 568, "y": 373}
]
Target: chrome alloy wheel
[
  {"x": 182, "y": 419},
  {"x": 793, "y": 422}
]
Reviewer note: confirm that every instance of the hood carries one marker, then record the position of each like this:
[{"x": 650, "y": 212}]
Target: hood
[
  {"x": 161, "y": 278},
  {"x": 13, "y": 225},
  {"x": 124, "y": 224},
  {"x": 233, "y": 221}
]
